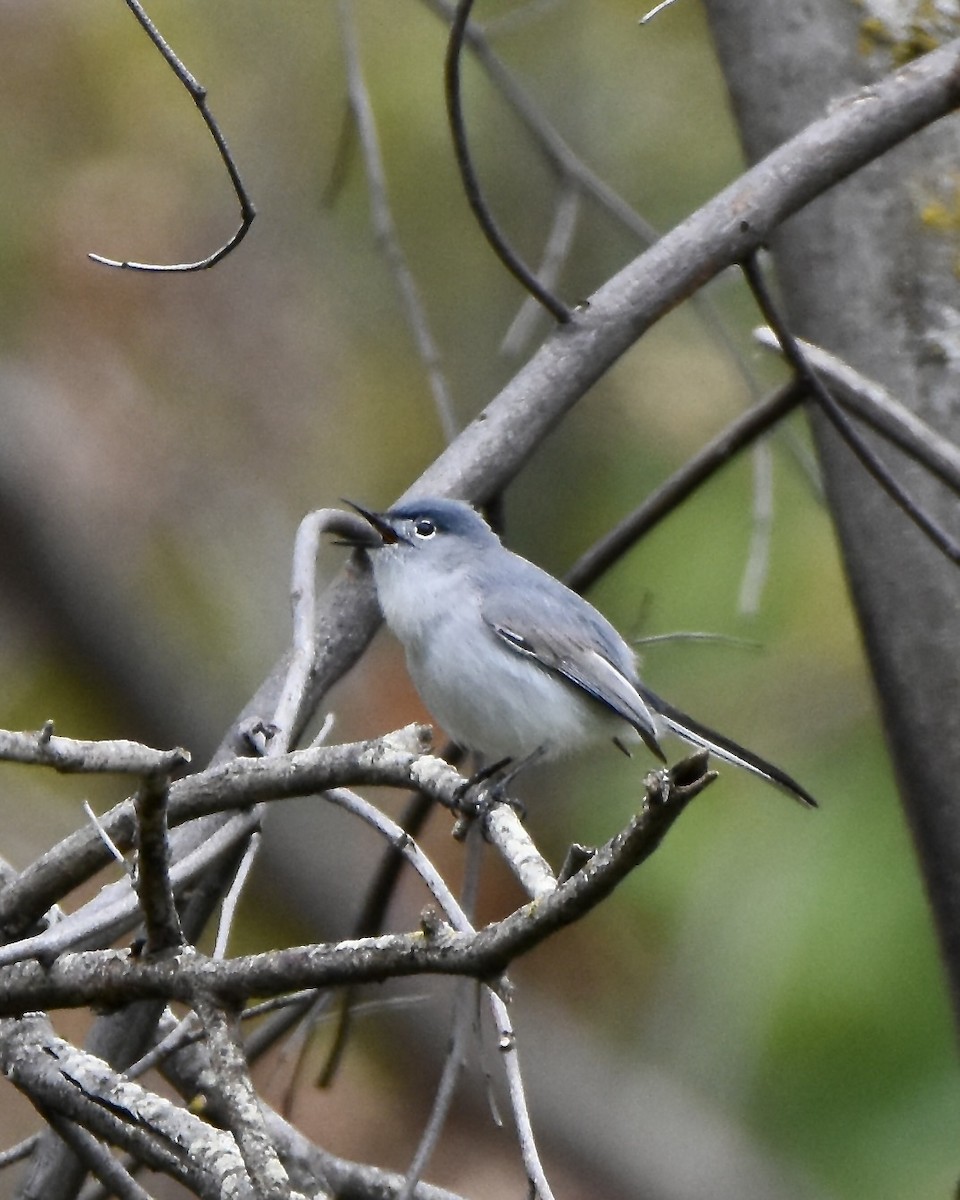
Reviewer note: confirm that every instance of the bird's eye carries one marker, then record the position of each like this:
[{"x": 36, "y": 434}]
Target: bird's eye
[{"x": 424, "y": 528}]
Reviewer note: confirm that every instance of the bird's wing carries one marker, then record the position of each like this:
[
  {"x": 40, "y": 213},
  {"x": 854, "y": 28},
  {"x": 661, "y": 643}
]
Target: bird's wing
[
  {"x": 581, "y": 653},
  {"x": 723, "y": 747}
]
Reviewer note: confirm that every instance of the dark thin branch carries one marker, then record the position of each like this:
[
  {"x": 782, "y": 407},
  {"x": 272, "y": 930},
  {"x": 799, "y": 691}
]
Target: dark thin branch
[
  {"x": 563, "y": 160},
  {"x": 740, "y": 433},
  {"x": 932, "y": 529},
  {"x": 468, "y": 175},
  {"x": 199, "y": 96}
]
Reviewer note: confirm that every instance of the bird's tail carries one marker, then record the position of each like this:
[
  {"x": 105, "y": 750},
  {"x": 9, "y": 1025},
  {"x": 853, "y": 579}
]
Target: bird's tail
[{"x": 723, "y": 747}]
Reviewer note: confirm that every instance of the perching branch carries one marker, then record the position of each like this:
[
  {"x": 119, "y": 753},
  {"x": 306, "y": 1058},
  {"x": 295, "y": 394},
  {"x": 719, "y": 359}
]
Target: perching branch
[{"x": 115, "y": 977}]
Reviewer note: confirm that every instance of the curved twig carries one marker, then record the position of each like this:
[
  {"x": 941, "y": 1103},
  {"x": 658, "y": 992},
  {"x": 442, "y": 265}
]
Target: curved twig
[
  {"x": 199, "y": 96},
  {"x": 468, "y": 175}
]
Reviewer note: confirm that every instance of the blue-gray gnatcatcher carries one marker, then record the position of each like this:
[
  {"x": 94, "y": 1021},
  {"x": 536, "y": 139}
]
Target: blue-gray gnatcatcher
[{"x": 511, "y": 662}]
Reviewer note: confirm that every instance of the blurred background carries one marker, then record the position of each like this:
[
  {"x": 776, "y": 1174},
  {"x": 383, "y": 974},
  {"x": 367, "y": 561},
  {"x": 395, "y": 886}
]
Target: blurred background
[{"x": 762, "y": 1003}]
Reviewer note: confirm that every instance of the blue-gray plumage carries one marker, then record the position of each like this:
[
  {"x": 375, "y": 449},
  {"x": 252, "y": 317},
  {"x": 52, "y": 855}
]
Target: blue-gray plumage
[{"x": 510, "y": 661}]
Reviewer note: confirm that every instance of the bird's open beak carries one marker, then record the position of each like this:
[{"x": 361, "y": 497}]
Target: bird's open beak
[{"x": 376, "y": 533}]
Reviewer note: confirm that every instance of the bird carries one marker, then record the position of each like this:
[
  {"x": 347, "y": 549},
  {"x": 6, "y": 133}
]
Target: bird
[{"x": 512, "y": 663}]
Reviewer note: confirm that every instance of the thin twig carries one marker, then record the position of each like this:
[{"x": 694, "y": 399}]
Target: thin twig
[
  {"x": 178, "y": 1034},
  {"x": 507, "y": 1045},
  {"x": 471, "y": 184},
  {"x": 228, "y": 910},
  {"x": 199, "y": 96},
  {"x": 14, "y": 1154},
  {"x": 385, "y": 227},
  {"x": 461, "y": 1023},
  {"x": 792, "y": 351},
  {"x": 654, "y": 12},
  {"x": 758, "y": 556},
  {"x": 107, "y": 840},
  {"x": 116, "y": 908},
  {"x": 446, "y": 1089}
]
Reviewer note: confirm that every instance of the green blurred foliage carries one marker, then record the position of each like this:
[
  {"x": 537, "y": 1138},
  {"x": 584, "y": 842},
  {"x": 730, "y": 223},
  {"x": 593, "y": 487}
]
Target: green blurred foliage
[{"x": 782, "y": 962}]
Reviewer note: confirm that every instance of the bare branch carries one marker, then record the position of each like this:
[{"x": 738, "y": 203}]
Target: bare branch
[
  {"x": 70, "y": 755},
  {"x": 199, "y": 96},
  {"x": 116, "y": 908},
  {"x": 443, "y": 1098},
  {"x": 228, "y": 910},
  {"x": 507, "y": 1045},
  {"x": 20, "y": 1151}
]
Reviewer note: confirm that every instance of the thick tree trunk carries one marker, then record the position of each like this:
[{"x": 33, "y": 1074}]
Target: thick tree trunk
[{"x": 867, "y": 274}]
